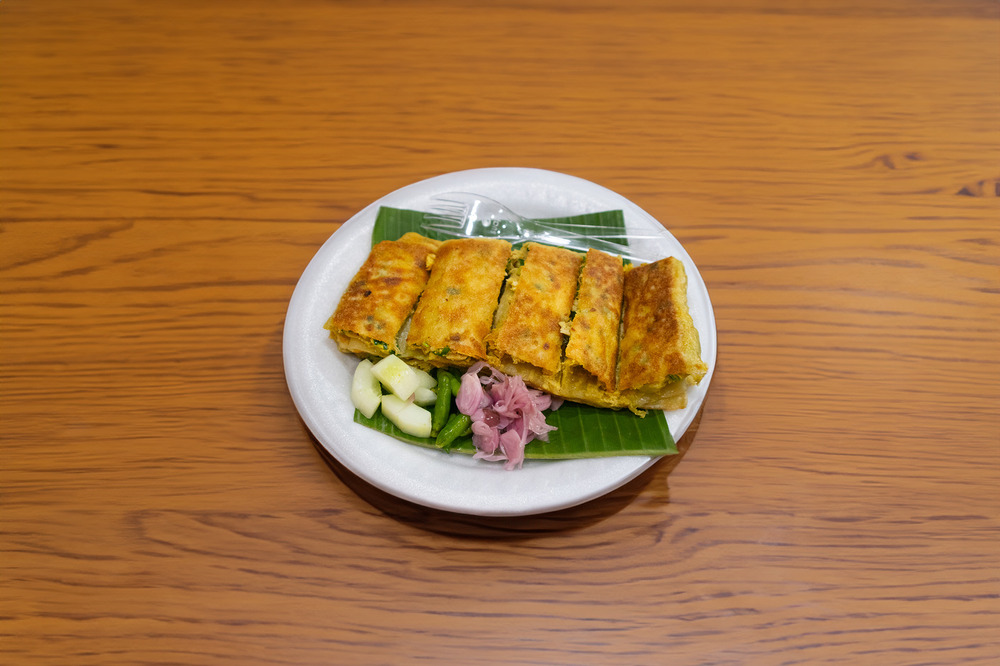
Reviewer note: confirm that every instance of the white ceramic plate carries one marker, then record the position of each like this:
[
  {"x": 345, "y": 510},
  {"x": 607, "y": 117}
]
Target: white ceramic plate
[{"x": 319, "y": 375}]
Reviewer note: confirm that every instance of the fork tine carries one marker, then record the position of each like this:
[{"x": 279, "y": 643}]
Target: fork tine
[
  {"x": 451, "y": 207},
  {"x": 452, "y": 200},
  {"x": 437, "y": 223},
  {"x": 456, "y": 201},
  {"x": 449, "y": 212}
]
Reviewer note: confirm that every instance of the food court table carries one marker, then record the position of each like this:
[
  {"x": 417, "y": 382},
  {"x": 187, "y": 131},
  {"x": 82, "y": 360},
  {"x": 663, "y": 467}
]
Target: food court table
[{"x": 168, "y": 171}]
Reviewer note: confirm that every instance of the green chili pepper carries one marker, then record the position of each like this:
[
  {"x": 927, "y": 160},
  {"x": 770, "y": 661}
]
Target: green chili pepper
[
  {"x": 452, "y": 430},
  {"x": 456, "y": 384},
  {"x": 442, "y": 406}
]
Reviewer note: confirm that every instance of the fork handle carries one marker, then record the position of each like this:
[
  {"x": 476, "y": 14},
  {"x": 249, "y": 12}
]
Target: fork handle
[{"x": 582, "y": 244}]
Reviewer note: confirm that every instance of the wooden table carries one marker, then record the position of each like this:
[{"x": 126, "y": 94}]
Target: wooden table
[{"x": 167, "y": 170}]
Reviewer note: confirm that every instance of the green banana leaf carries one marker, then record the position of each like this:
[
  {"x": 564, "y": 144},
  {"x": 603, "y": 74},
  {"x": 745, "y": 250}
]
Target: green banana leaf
[{"x": 581, "y": 431}]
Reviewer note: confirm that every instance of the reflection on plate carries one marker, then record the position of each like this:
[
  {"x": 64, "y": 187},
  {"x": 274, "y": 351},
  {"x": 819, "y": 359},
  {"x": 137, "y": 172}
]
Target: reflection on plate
[{"x": 319, "y": 375}]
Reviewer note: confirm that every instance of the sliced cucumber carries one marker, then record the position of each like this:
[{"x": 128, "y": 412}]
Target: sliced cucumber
[
  {"x": 426, "y": 379},
  {"x": 424, "y": 396},
  {"x": 396, "y": 376},
  {"x": 366, "y": 392},
  {"x": 408, "y": 417}
]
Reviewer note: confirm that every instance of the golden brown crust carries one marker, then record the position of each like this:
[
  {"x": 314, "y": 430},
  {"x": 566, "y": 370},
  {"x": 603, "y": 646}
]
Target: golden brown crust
[
  {"x": 455, "y": 313},
  {"x": 381, "y": 296},
  {"x": 593, "y": 337},
  {"x": 657, "y": 357},
  {"x": 531, "y": 330},
  {"x": 659, "y": 344},
  {"x": 414, "y": 237}
]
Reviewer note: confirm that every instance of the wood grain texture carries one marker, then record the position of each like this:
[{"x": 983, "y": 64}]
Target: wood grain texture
[{"x": 168, "y": 169}]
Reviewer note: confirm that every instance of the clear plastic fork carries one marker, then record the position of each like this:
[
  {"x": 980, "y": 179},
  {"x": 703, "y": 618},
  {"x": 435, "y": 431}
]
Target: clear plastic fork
[{"x": 468, "y": 214}]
